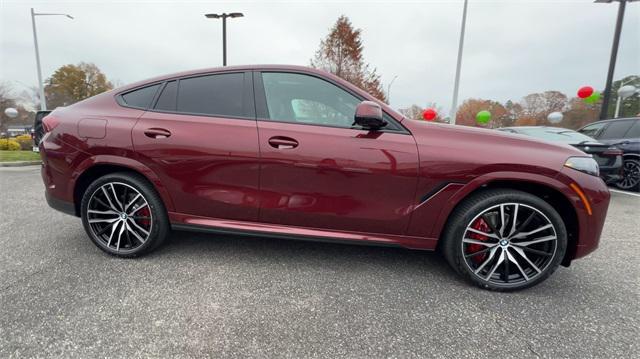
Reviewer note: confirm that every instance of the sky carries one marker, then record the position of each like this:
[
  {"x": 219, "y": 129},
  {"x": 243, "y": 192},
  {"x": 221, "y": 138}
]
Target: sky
[{"x": 512, "y": 48}]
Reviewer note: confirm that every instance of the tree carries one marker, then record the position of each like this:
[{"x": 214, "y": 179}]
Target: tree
[
  {"x": 73, "y": 83},
  {"x": 341, "y": 54},
  {"x": 466, "y": 114},
  {"x": 7, "y": 99},
  {"x": 539, "y": 105},
  {"x": 414, "y": 112}
]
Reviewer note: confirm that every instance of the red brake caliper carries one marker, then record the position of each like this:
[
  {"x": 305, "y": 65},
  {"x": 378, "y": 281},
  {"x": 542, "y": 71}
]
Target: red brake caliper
[
  {"x": 482, "y": 226},
  {"x": 144, "y": 213}
]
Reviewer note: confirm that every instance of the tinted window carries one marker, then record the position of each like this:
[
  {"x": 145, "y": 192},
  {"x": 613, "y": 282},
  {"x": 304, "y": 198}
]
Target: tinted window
[
  {"x": 616, "y": 129},
  {"x": 592, "y": 130},
  {"x": 306, "y": 99},
  {"x": 634, "y": 131},
  {"x": 212, "y": 95},
  {"x": 140, "y": 97},
  {"x": 167, "y": 99}
]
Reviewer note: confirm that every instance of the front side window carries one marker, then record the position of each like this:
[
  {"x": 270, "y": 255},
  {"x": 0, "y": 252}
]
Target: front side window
[
  {"x": 634, "y": 131},
  {"x": 592, "y": 130},
  {"x": 616, "y": 129},
  {"x": 140, "y": 98},
  {"x": 217, "y": 95},
  {"x": 306, "y": 99}
]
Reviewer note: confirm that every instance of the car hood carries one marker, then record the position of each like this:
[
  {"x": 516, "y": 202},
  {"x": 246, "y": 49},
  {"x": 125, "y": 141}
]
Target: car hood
[{"x": 483, "y": 150}]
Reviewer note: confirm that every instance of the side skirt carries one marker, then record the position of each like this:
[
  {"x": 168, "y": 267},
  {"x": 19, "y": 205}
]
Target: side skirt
[{"x": 239, "y": 228}]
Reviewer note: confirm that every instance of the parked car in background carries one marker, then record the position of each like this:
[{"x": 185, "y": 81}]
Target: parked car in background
[
  {"x": 37, "y": 131},
  {"x": 624, "y": 133},
  {"x": 609, "y": 158},
  {"x": 295, "y": 152}
]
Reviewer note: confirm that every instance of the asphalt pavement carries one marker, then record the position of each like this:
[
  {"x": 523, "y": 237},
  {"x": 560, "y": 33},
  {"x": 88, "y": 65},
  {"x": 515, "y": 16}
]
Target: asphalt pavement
[{"x": 220, "y": 296}]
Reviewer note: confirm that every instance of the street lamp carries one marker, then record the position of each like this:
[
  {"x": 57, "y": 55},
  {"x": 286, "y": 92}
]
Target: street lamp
[
  {"x": 43, "y": 103},
  {"x": 623, "y": 92},
  {"x": 224, "y": 17},
  {"x": 456, "y": 84},
  {"x": 614, "y": 54}
]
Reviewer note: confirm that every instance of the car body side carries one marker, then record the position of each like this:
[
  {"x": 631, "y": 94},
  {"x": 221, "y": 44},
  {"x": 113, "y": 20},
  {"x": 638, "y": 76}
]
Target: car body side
[{"x": 97, "y": 137}]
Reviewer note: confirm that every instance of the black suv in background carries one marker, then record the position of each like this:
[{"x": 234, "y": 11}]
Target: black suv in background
[
  {"x": 624, "y": 133},
  {"x": 37, "y": 131}
]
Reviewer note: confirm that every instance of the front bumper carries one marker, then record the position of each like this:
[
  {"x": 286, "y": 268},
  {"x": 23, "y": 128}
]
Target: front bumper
[{"x": 589, "y": 224}]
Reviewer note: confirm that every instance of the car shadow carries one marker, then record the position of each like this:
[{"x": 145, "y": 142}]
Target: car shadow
[{"x": 338, "y": 256}]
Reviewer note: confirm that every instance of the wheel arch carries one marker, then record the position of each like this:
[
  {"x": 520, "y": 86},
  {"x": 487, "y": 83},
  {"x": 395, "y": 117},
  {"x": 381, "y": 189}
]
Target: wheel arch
[
  {"x": 558, "y": 200},
  {"x": 98, "y": 166}
]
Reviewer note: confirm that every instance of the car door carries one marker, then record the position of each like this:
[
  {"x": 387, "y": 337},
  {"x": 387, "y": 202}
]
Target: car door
[
  {"x": 201, "y": 139},
  {"x": 319, "y": 171}
]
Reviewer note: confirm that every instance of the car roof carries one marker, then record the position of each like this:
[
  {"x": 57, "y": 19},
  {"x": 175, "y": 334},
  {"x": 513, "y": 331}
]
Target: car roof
[
  {"x": 612, "y": 120},
  {"x": 202, "y": 71}
]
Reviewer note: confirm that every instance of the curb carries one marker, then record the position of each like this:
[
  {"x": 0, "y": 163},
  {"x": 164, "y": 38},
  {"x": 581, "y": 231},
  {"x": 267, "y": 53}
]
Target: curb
[{"x": 19, "y": 163}]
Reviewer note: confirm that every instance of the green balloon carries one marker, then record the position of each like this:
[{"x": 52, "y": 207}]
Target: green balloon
[
  {"x": 483, "y": 117},
  {"x": 595, "y": 96}
]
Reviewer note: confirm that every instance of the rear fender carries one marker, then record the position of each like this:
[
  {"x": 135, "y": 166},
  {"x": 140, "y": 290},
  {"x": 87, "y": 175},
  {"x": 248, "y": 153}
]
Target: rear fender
[{"x": 129, "y": 163}]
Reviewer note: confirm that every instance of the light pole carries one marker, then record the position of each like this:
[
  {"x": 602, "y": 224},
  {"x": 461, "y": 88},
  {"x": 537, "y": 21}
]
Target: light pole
[
  {"x": 456, "y": 84},
  {"x": 389, "y": 88},
  {"x": 224, "y": 17},
  {"x": 614, "y": 54},
  {"x": 43, "y": 103}
]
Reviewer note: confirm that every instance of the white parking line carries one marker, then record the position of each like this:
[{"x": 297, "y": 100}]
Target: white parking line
[{"x": 624, "y": 192}]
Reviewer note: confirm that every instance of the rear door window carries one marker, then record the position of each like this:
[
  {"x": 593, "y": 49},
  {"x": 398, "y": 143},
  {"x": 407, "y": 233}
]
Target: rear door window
[
  {"x": 616, "y": 129},
  {"x": 214, "y": 95},
  {"x": 167, "y": 99},
  {"x": 140, "y": 98}
]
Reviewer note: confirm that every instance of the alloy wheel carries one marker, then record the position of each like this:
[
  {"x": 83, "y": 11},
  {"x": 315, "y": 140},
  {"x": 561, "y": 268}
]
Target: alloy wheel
[
  {"x": 631, "y": 174},
  {"x": 119, "y": 217},
  {"x": 509, "y": 244}
]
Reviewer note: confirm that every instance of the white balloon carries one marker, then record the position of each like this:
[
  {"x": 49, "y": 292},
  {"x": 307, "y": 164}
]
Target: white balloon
[
  {"x": 626, "y": 91},
  {"x": 11, "y": 112},
  {"x": 555, "y": 117}
]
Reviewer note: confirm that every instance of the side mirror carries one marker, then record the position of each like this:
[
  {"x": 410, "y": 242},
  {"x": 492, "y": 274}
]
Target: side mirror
[{"x": 369, "y": 116}]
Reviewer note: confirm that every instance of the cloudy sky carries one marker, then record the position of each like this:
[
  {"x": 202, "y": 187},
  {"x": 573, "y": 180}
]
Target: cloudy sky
[{"x": 512, "y": 47}]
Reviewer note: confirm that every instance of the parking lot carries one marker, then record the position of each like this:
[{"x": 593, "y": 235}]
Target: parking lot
[{"x": 211, "y": 296}]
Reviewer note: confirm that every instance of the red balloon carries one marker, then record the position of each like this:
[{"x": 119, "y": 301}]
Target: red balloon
[
  {"x": 585, "y": 91},
  {"x": 429, "y": 114}
]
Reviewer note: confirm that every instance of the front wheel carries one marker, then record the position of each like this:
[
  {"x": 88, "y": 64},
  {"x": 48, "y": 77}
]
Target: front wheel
[
  {"x": 630, "y": 175},
  {"x": 505, "y": 240},
  {"x": 123, "y": 215}
]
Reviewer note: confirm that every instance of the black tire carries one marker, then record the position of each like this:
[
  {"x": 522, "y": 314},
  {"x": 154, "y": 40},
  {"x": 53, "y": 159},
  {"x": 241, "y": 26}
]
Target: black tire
[
  {"x": 631, "y": 175},
  {"x": 132, "y": 235},
  {"x": 481, "y": 207}
]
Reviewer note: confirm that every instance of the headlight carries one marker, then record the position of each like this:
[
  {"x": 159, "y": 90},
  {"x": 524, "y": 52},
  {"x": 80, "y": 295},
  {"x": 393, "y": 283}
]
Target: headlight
[{"x": 583, "y": 164}]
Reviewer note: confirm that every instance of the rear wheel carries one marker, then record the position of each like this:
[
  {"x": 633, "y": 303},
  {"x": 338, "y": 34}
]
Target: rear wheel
[
  {"x": 505, "y": 240},
  {"x": 630, "y": 175},
  {"x": 123, "y": 215}
]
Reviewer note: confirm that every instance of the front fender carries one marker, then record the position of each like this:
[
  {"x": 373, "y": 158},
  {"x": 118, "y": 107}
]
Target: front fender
[{"x": 486, "y": 179}]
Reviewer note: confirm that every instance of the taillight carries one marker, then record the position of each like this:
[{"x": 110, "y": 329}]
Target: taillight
[
  {"x": 612, "y": 152},
  {"x": 49, "y": 123}
]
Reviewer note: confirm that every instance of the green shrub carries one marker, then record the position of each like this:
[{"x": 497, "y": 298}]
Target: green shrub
[
  {"x": 7, "y": 144},
  {"x": 25, "y": 141}
]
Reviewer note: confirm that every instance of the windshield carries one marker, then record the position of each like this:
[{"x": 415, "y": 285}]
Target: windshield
[{"x": 556, "y": 135}]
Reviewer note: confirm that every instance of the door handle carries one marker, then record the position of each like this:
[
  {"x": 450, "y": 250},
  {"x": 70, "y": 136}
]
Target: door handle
[
  {"x": 283, "y": 143},
  {"x": 157, "y": 133}
]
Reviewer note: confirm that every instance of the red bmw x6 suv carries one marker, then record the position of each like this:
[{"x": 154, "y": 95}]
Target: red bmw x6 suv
[{"x": 299, "y": 153}]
